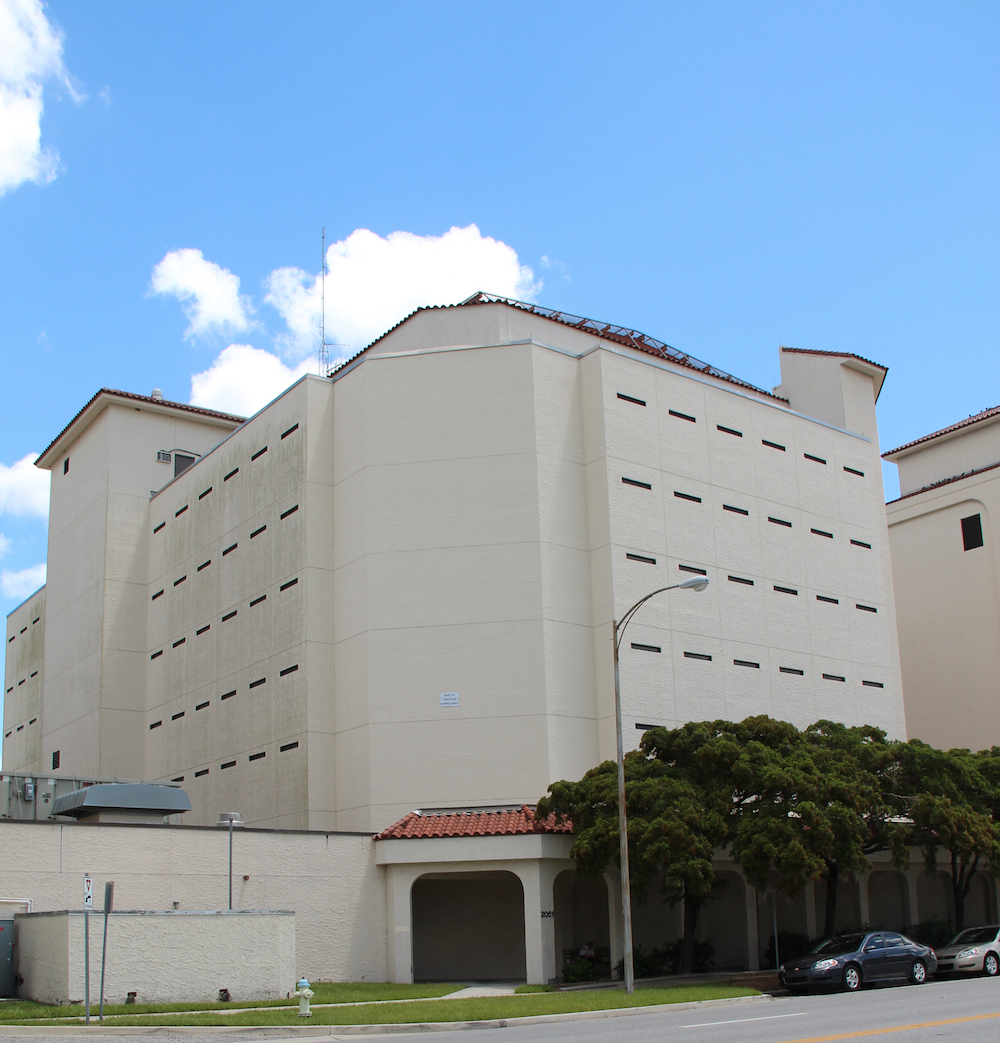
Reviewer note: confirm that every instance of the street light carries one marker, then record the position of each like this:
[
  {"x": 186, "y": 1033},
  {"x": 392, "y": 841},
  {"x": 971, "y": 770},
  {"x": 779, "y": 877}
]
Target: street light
[
  {"x": 695, "y": 583},
  {"x": 230, "y": 819}
]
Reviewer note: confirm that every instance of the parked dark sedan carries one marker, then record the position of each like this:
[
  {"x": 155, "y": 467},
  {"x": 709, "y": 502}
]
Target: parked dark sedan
[{"x": 849, "y": 961}]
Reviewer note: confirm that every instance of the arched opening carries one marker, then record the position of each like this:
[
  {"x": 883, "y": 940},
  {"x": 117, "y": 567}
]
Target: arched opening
[
  {"x": 468, "y": 927},
  {"x": 848, "y": 915},
  {"x": 934, "y": 897},
  {"x": 977, "y": 902},
  {"x": 581, "y": 914},
  {"x": 887, "y": 895},
  {"x": 723, "y": 922}
]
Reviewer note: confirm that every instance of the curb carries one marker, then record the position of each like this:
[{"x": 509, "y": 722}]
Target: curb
[{"x": 304, "y": 1032}]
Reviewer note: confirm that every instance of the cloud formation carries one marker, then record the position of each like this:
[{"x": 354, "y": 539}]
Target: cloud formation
[
  {"x": 243, "y": 379},
  {"x": 373, "y": 282},
  {"x": 30, "y": 57},
  {"x": 4, "y": 545},
  {"x": 24, "y": 489},
  {"x": 21, "y": 583},
  {"x": 209, "y": 294}
]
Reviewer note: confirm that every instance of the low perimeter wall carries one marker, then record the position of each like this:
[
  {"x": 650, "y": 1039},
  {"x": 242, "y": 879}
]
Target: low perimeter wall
[{"x": 163, "y": 957}]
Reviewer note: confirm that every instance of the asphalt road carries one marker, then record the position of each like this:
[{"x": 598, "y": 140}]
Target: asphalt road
[{"x": 966, "y": 1010}]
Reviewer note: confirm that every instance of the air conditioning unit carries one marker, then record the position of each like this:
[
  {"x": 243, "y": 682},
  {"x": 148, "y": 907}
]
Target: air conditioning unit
[{"x": 162, "y": 457}]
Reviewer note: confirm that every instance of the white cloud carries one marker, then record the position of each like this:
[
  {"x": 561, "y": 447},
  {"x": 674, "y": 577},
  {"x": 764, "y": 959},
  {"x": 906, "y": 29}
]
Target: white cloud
[
  {"x": 243, "y": 379},
  {"x": 4, "y": 545},
  {"x": 30, "y": 56},
  {"x": 23, "y": 582},
  {"x": 373, "y": 282},
  {"x": 209, "y": 293},
  {"x": 24, "y": 488}
]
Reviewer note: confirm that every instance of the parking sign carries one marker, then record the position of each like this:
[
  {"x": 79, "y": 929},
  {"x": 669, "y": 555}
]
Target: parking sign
[{"x": 88, "y": 893}]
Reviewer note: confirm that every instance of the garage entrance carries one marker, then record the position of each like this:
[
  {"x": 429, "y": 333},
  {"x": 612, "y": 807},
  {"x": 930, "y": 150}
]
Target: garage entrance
[{"x": 468, "y": 927}]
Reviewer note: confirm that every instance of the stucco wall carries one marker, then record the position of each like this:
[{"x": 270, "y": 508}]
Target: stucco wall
[
  {"x": 23, "y": 674},
  {"x": 164, "y": 957},
  {"x": 330, "y": 881}
]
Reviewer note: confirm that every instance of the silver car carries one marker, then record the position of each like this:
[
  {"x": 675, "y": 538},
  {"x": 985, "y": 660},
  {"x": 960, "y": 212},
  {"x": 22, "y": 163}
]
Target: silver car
[{"x": 975, "y": 950}]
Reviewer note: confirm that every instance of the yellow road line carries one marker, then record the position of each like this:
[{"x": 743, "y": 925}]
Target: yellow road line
[{"x": 894, "y": 1028}]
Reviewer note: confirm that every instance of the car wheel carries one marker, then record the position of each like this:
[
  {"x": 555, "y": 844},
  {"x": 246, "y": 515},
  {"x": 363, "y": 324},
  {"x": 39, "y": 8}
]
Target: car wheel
[
  {"x": 852, "y": 977},
  {"x": 918, "y": 972},
  {"x": 991, "y": 965}
]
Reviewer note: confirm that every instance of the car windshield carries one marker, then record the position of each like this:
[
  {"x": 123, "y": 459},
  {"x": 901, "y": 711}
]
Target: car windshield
[
  {"x": 841, "y": 944},
  {"x": 974, "y": 936}
]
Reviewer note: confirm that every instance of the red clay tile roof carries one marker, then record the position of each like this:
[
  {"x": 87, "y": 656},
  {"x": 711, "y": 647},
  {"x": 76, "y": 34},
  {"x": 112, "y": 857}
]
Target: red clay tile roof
[
  {"x": 604, "y": 330},
  {"x": 141, "y": 398},
  {"x": 944, "y": 481},
  {"x": 507, "y": 822},
  {"x": 986, "y": 414},
  {"x": 835, "y": 354}
]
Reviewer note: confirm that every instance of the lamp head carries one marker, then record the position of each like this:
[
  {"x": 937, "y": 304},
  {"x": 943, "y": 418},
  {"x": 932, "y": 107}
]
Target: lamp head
[{"x": 694, "y": 583}]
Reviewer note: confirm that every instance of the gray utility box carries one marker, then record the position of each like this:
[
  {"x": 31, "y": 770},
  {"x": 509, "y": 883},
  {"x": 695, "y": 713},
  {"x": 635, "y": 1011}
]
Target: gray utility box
[{"x": 6, "y": 957}]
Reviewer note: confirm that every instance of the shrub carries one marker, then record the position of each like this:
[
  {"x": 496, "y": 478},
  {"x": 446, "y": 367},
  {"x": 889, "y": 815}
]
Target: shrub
[
  {"x": 580, "y": 970},
  {"x": 659, "y": 962},
  {"x": 935, "y": 933}
]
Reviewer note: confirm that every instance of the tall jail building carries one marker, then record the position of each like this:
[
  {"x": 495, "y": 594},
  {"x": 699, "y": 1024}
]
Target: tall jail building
[{"x": 394, "y": 588}]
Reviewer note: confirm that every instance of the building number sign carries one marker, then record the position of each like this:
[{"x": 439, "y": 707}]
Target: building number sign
[{"x": 547, "y": 914}]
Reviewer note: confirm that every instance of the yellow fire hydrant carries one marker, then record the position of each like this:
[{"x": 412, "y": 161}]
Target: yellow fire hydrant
[{"x": 304, "y": 995}]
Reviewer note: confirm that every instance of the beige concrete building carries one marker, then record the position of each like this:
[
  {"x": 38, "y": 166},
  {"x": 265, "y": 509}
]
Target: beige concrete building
[
  {"x": 941, "y": 534},
  {"x": 395, "y": 587}
]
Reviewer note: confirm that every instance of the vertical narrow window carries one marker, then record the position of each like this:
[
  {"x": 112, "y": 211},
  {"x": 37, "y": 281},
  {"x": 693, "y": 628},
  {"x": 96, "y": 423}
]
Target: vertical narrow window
[
  {"x": 56, "y": 758},
  {"x": 66, "y": 466},
  {"x": 972, "y": 532}
]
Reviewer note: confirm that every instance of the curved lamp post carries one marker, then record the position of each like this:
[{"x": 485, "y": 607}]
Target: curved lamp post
[{"x": 695, "y": 583}]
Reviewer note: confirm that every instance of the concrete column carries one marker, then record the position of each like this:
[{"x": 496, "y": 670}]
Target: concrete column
[
  {"x": 537, "y": 879},
  {"x": 862, "y": 885},
  {"x": 616, "y": 929},
  {"x": 399, "y": 920},
  {"x": 753, "y": 937},
  {"x": 810, "y": 896},
  {"x": 911, "y": 882}
]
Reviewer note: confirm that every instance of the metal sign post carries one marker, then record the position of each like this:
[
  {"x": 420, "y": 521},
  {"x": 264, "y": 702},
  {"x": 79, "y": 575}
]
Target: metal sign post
[
  {"x": 88, "y": 904},
  {"x": 109, "y": 901}
]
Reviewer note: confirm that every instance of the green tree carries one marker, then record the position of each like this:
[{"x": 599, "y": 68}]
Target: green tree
[
  {"x": 672, "y": 832},
  {"x": 950, "y": 797}
]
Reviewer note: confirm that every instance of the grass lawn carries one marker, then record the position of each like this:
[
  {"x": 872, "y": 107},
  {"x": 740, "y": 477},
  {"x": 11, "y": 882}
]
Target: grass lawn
[
  {"x": 326, "y": 992},
  {"x": 484, "y": 1009}
]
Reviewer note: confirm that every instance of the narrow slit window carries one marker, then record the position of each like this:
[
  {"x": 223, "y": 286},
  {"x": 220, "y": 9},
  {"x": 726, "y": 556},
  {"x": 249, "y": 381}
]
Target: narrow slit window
[
  {"x": 291, "y": 510},
  {"x": 786, "y": 590},
  {"x": 178, "y": 582},
  {"x": 972, "y": 532},
  {"x": 229, "y": 549},
  {"x": 629, "y": 398},
  {"x": 288, "y": 670},
  {"x": 180, "y": 778},
  {"x": 35, "y": 674},
  {"x": 698, "y": 655},
  {"x": 257, "y": 756},
  {"x": 234, "y": 471},
  {"x": 177, "y": 716},
  {"x": 646, "y": 648},
  {"x": 740, "y": 579},
  {"x": 779, "y": 521},
  {"x": 873, "y": 684},
  {"x": 692, "y": 568},
  {"x": 155, "y": 724},
  {"x": 257, "y": 532},
  {"x": 34, "y": 621},
  {"x": 21, "y": 682},
  {"x": 729, "y": 430},
  {"x": 290, "y": 583},
  {"x": 204, "y": 564},
  {"x": 230, "y": 615},
  {"x": 158, "y": 594},
  {"x": 682, "y": 416},
  {"x": 829, "y": 601},
  {"x": 636, "y": 483},
  {"x": 260, "y": 452},
  {"x": 66, "y": 466},
  {"x": 854, "y": 470},
  {"x": 201, "y": 496},
  {"x": 833, "y": 677},
  {"x": 294, "y": 427},
  {"x": 257, "y": 601},
  {"x": 181, "y": 642},
  {"x": 227, "y": 695},
  {"x": 861, "y": 543},
  {"x": 746, "y": 662},
  {"x": 177, "y": 514},
  {"x": 227, "y": 764},
  {"x": 735, "y": 510},
  {"x": 821, "y": 532},
  {"x": 687, "y": 496},
  {"x": 815, "y": 459},
  {"x": 156, "y": 655},
  {"x": 258, "y": 682},
  {"x": 866, "y": 608},
  {"x": 198, "y": 774},
  {"x": 56, "y": 758},
  {"x": 772, "y": 445},
  {"x": 640, "y": 557},
  {"x": 644, "y": 727},
  {"x": 791, "y": 670},
  {"x": 158, "y": 527},
  {"x": 288, "y": 746},
  {"x": 198, "y": 633}
]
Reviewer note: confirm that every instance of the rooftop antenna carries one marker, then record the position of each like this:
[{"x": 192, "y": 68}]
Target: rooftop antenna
[{"x": 324, "y": 347}]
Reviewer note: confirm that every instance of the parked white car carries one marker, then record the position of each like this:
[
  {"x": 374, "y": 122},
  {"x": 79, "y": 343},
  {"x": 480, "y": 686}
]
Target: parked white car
[{"x": 976, "y": 950}]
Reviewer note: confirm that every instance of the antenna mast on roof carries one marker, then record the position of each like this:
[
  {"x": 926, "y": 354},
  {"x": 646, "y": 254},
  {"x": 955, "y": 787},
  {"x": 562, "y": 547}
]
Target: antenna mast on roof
[{"x": 324, "y": 347}]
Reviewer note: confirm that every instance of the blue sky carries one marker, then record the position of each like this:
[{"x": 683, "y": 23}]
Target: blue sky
[{"x": 728, "y": 177}]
